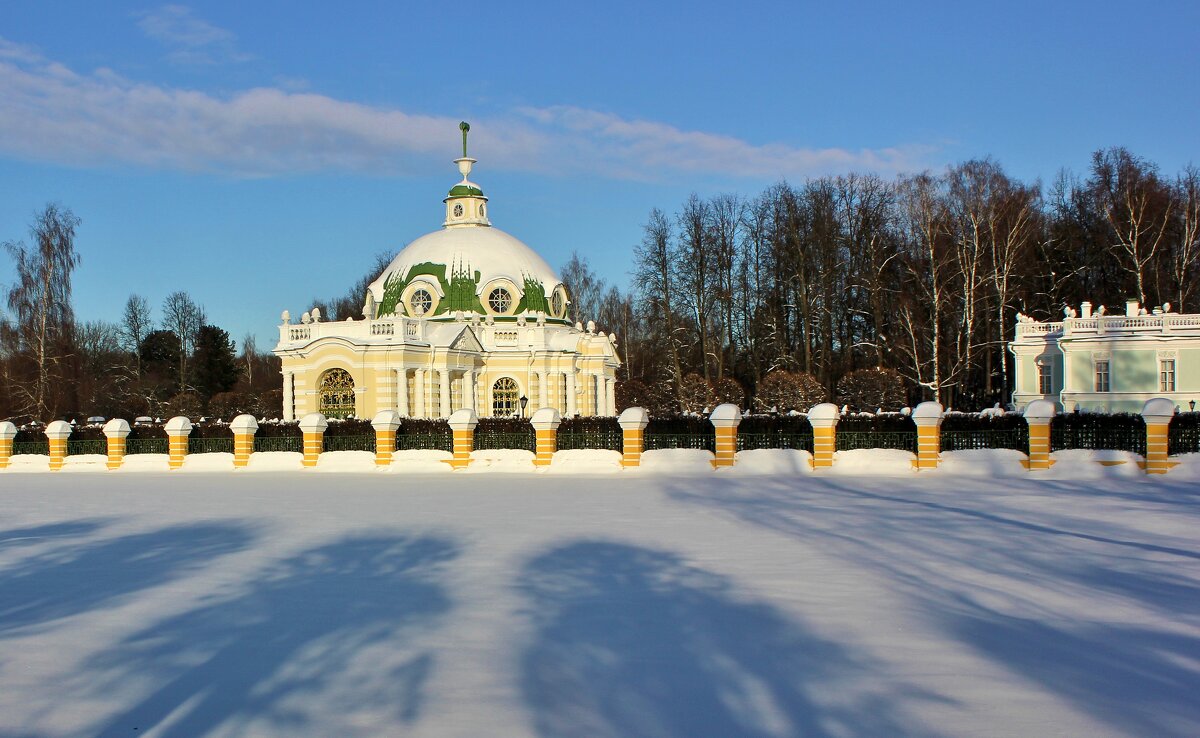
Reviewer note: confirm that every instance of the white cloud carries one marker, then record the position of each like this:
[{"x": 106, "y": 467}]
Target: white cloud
[
  {"x": 49, "y": 112},
  {"x": 191, "y": 40}
]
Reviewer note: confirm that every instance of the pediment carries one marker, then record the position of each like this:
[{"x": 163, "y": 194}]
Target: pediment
[{"x": 466, "y": 341}]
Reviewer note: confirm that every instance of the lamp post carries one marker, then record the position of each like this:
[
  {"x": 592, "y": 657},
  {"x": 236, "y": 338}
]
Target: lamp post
[
  {"x": 1192, "y": 405},
  {"x": 524, "y": 401}
]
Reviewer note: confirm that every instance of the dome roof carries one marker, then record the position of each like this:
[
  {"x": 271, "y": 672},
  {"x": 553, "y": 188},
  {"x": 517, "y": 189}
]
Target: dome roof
[{"x": 484, "y": 254}]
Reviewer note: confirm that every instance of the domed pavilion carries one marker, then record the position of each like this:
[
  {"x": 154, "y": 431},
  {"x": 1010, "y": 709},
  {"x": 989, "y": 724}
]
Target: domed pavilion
[{"x": 465, "y": 317}]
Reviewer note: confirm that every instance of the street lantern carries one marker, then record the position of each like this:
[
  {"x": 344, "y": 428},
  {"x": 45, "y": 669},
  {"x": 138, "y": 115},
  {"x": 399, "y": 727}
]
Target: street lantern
[
  {"x": 525, "y": 401},
  {"x": 1192, "y": 405}
]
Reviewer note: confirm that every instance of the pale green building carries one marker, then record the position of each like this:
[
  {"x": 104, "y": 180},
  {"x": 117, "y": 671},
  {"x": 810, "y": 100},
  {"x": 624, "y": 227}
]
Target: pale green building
[{"x": 1108, "y": 363}]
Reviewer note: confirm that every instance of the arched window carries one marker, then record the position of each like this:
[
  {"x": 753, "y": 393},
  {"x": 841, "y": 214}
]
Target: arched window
[
  {"x": 337, "y": 394},
  {"x": 504, "y": 398}
]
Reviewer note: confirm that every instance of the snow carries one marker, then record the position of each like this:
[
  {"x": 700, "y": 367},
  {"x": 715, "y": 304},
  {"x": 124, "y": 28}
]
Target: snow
[{"x": 763, "y": 600}]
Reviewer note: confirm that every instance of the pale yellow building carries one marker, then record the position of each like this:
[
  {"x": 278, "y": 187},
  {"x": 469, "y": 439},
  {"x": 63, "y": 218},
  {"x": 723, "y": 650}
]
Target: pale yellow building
[{"x": 466, "y": 316}]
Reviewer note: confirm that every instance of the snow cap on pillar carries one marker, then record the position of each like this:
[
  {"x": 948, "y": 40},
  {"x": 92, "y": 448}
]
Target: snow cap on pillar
[
  {"x": 825, "y": 415},
  {"x": 464, "y": 419},
  {"x": 116, "y": 428},
  {"x": 634, "y": 418},
  {"x": 8, "y": 431},
  {"x": 726, "y": 415},
  {"x": 1042, "y": 410},
  {"x": 178, "y": 426},
  {"x": 313, "y": 423},
  {"x": 386, "y": 420},
  {"x": 58, "y": 429},
  {"x": 546, "y": 418},
  {"x": 927, "y": 413},
  {"x": 244, "y": 425},
  {"x": 1158, "y": 410}
]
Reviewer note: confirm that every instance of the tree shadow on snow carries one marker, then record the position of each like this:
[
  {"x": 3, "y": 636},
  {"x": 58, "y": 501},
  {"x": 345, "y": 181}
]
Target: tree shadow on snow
[
  {"x": 1064, "y": 596},
  {"x": 634, "y": 642},
  {"x": 67, "y": 580},
  {"x": 39, "y": 534},
  {"x": 320, "y": 637}
]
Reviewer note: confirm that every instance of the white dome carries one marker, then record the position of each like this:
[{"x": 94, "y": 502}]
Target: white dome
[{"x": 487, "y": 251}]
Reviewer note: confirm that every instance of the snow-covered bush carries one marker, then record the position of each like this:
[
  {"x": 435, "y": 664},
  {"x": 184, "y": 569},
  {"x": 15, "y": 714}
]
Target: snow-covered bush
[
  {"x": 783, "y": 391},
  {"x": 728, "y": 389},
  {"x": 696, "y": 394},
  {"x": 871, "y": 389}
]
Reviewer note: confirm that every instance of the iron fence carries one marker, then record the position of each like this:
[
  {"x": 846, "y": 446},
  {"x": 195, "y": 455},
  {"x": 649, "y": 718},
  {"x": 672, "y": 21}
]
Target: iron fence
[
  {"x": 35, "y": 448},
  {"x": 145, "y": 446},
  {"x": 294, "y": 444},
  {"x": 524, "y": 441},
  {"x": 90, "y": 446},
  {"x": 216, "y": 445},
  {"x": 437, "y": 441},
  {"x": 605, "y": 440},
  {"x": 1183, "y": 440},
  {"x": 854, "y": 440},
  {"x": 753, "y": 441},
  {"x": 1093, "y": 438},
  {"x": 658, "y": 441},
  {"x": 966, "y": 440},
  {"x": 349, "y": 443}
]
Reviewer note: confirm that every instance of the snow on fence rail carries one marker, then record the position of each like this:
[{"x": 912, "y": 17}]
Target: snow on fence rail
[{"x": 1156, "y": 434}]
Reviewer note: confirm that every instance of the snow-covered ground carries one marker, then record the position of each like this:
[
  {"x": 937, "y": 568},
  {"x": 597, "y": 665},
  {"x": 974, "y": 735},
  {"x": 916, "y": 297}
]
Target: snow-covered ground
[{"x": 603, "y": 604}]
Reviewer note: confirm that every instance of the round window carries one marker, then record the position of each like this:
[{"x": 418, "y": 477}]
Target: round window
[
  {"x": 458, "y": 211},
  {"x": 419, "y": 302},
  {"x": 499, "y": 300},
  {"x": 556, "y": 303}
]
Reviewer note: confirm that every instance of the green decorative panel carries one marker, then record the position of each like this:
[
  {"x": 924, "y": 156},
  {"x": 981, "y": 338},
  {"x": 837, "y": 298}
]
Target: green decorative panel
[{"x": 534, "y": 297}]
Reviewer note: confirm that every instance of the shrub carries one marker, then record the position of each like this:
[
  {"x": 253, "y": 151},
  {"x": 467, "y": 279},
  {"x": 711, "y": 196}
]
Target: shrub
[
  {"x": 783, "y": 391},
  {"x": 632, "y": 393},
  {"x": 871, "y": 389},
  {"x": 696, "y": 394},
  {"x": 728, "y": 389}
]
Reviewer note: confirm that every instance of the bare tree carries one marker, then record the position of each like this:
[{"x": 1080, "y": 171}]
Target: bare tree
[
  {"x": 136, "y": 324},
  {"x": 184, "y": 318},
  {"x": 584, "y": 288},
  {"x": 656, "y": 280},
  {"x": 1137, "y": 207},
  {"x": 41, "y": 303},
  {"x": 1186, "y": 254}
]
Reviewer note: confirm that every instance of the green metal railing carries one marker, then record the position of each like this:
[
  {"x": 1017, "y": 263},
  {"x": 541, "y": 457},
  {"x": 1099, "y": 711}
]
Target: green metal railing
[
  {"x": 145, "y": 446},
  {"x": 425, "y": 441},
  {"x": 294, "y": 444},
  {"x": 216, "y": 445},
  {"x": 35, "y": 448},
  {"x": 90, "y": 446},
  {"x": 658, "y": 441},
  {"x": 1113, "y": 439},
  {"x": 964, "y": 440},
  {"x": 1183, "y": 440},
  {"x": 523, "y": 441},
  {"x": 603, "y": 440},
  {"x": 854, "y": 440},
  {"x": 752, "y": 441},
  {"x": 349, "y": 443}
]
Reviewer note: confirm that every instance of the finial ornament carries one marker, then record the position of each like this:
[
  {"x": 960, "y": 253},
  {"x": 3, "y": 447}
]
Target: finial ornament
[{"x": 465, "y": 127}]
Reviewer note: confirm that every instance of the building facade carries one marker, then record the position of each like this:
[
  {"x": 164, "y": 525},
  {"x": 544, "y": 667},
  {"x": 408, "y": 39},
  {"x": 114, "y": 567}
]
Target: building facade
[
  {"x": 1091, "y": 361},
  {"x": 464, "y": 317}
]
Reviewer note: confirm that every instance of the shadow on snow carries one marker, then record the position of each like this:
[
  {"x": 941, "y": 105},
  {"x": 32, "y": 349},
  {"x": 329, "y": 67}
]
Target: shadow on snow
[
  {"x": 633, "y": 642},
  {"x": 325, "y": 636},
  {"x": 1049, "y": 592}
]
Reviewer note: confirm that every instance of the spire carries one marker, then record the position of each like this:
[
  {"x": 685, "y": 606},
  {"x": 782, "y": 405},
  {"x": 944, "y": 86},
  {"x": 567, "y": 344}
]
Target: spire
[{"x": 465, "y": 203}]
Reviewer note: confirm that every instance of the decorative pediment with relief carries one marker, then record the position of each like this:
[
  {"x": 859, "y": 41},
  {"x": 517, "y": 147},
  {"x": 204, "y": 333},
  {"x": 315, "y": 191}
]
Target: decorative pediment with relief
[{"x": 466, "y": 341}]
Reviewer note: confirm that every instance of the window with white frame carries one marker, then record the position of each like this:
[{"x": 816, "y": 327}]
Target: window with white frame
[
  {"x": 1166, "y": 375},
  {"x": 1102, "y": 376},
  {"x": 1045, "y": 379}
]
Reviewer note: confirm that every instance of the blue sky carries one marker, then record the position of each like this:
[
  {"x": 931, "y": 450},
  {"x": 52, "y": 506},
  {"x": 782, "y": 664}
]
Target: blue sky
[{"x": 260, "y": 154}]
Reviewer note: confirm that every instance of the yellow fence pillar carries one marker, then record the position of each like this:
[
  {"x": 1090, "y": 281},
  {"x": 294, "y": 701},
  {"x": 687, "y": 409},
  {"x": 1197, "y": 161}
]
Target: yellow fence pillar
[
  {"x": 313, "y": 427},
  {"x": 385, "y": 424},
  {"x": 545, "y": 424},
  {"x": 928, "y": 418},
  {"x": 116, "y": 431},
  {"x": 1157, "y": 414},
  {"x": 178, "y": 429},
  {"x": 462, "y": 424},
  {"x": 633, "y": 421},
  {"x": 824, "y": 419},
  {"x": 8, "y": 432},
  {"x": 725, "y": 419},
  {"x": 1038, "y": 415},
  {"x": 57, "y": 433},
  {"x": 244, "y": 427}
]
